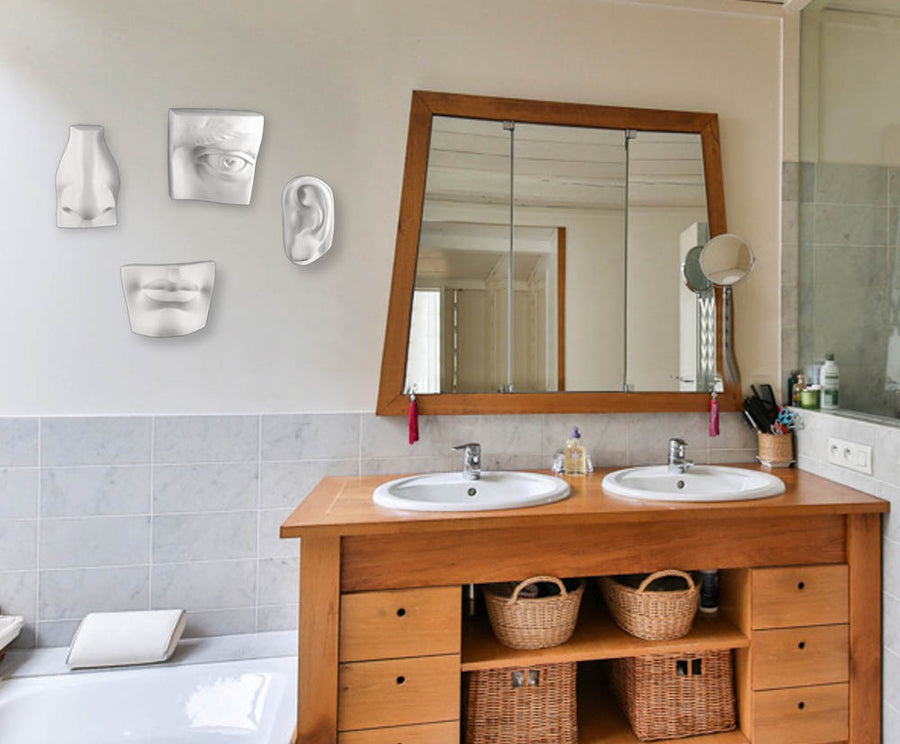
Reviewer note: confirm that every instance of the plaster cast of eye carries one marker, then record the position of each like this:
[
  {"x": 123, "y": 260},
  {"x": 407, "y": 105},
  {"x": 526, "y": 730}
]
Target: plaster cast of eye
[
  {"x": 308, "y": 207},
  {"x": 212, "y": 154},
  {"x": 87, "y": 180},
  {"x": 168, "y": 299}
]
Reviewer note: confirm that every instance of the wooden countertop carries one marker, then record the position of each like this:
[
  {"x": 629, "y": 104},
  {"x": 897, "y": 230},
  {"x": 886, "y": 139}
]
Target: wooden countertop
[{"x": 344, "y": 506}]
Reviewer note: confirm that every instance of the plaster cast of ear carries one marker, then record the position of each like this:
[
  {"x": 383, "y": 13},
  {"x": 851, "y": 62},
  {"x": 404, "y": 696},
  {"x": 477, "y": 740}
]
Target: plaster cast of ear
[
  {"x": 308, "y": 206},
  {"x": 87, "y": 180},
  {"x": 168, "y": 299},
  {"x": 212, "y": 154}
]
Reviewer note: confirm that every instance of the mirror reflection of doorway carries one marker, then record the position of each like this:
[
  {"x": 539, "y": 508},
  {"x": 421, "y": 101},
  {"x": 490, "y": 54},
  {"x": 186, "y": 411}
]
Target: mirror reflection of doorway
[{"x": 459, "y": 324}]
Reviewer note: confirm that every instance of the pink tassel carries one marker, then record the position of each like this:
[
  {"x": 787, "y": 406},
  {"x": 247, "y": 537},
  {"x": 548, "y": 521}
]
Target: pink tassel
[
  {"x": 413, "y": 419},
  {"x": 714, "y": 415}
]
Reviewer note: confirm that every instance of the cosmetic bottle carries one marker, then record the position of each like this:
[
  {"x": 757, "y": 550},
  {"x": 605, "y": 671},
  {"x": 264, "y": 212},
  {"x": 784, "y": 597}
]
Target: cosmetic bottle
[
  {"x": 797, "y": 389},
  {"x": 709, "y": 591},
  {"x": 576, "y": 456},
  {"x": 792, "y": 380},
  {"x": 830, "y": 382}
]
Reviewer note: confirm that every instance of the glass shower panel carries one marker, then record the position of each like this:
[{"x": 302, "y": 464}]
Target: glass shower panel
[{"x": 844, "y": 196}]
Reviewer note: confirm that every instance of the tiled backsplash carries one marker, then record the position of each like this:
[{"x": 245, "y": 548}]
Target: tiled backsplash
[
  {"x": 884, "y": 439},
  {"x": 118, "y": 513}
]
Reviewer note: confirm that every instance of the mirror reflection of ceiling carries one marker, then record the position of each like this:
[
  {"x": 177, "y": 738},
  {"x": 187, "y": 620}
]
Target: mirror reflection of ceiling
[{"x": 561, "y": 167}]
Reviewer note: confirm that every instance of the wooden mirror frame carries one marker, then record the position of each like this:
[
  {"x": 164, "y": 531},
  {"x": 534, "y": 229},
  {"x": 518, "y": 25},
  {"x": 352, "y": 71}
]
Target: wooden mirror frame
[{"x": 427, "y": 104}]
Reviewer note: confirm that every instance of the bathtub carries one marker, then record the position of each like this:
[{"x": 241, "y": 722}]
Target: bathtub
[{"x": 250, "y": 701}]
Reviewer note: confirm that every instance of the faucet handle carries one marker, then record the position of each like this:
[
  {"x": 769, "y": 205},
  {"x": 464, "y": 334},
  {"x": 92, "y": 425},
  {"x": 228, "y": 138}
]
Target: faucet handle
[
  {"x": 471, "y": 448},
  {"x": 677, "y": 446}
]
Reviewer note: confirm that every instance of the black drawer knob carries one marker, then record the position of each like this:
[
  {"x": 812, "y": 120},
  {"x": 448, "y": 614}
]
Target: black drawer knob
[
  {"x": 801, "y": 645},
  {"x": 801, "y": 705},
  {"x": 401, "y": 680},
  {"x": 801, "y": 586},
  {"x": 401, "y": 612}
]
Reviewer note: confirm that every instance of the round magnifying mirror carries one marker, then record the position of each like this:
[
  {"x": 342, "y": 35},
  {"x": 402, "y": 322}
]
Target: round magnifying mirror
[
  {"x": 726, "y": 260},
  {"x": 694, "y": 278}
]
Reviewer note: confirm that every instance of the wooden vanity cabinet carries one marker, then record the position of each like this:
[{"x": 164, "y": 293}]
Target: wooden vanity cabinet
[
  {"x": 383, "y": 649},
  {"x": 793, "y": 678},
  {"x": 400, "y": 666}
]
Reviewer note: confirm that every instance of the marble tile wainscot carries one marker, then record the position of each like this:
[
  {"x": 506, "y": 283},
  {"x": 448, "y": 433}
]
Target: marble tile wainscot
[
  {"x": 884, "y": 439},
  {"x": 117, "y": 513}
]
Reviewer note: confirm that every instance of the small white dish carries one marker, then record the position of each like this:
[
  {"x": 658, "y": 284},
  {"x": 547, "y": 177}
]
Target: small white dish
[{"x": 769, "y": 464}]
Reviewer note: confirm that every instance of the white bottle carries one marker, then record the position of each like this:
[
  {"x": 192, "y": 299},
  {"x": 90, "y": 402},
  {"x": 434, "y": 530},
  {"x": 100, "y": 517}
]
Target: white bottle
[{"x": 830, "y": 379}]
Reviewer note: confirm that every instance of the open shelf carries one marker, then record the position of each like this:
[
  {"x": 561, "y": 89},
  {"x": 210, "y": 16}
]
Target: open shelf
[
  {"x": 596, "y": 637},
  {"x": 601, "y": 722}
]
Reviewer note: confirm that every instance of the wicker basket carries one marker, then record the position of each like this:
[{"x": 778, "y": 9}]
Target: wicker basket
[
  {"x": 652, "y": 615},
  {"x": 670, "y": 696},
  {"x": 534, "y": 623},
  {"x": 775, "y": 450},
  {"x": 534, "y": 705}
]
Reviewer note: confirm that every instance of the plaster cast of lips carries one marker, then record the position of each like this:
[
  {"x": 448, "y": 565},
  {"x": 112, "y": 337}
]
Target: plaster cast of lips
[
  {"x": 168, "y": 299},
  {"x": 171, "y": 292}
]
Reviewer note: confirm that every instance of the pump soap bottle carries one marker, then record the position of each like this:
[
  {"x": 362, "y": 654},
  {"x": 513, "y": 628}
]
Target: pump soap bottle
[{"x": 576, "y": 456}]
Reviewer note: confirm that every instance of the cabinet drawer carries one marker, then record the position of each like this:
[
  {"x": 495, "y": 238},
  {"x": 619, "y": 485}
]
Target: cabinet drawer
[
  {"x": 427, "y": 733},
  {"x": 802, "y": 715},
  {"x": 402, "y": 622},
  {"x": 799, "y": 595},
  {"x": 398, "y": 692},
  {"x": 791, "y": 657}
]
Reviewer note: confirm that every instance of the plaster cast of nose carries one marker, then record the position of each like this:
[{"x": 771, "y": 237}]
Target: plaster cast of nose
[
  {"x": 87, "y": 180},
  {"x": 308, "y": 207}
]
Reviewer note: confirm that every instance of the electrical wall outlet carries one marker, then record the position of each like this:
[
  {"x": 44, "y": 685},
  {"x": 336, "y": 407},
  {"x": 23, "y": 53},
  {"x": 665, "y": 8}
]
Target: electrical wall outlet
[{"x": 850, "y": 455}]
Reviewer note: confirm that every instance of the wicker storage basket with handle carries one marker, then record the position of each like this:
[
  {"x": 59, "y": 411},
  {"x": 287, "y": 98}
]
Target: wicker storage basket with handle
[
  {"x": 670, "y": 696},
  {"x": 652, "y": 615},
  {"x": 541, "y": 622},
  {"x": 532, "y": 705}
]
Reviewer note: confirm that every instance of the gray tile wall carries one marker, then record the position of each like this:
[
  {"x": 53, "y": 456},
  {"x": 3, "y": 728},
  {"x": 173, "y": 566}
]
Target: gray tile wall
[
  {"x": 812, "y": 455},
  {"x": 841, "y": 277},
  {"x": 120, "y": 513}
]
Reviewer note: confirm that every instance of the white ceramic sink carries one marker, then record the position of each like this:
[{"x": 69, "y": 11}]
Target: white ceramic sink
[
  {"x": 699, "y": 483},
  {"x": 497, "y": 489}
]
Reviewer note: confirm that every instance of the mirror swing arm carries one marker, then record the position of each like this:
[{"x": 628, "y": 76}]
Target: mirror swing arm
[{"x": 393, "y": 400}]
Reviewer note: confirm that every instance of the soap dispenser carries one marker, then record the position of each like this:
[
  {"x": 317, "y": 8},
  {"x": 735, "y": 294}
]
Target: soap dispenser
[{"x": 576, "y": 456}]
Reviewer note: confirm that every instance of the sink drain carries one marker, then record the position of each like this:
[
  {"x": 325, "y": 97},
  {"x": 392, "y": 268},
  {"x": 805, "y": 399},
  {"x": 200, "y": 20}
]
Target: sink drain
[
  {"x": 679, "y": 484},
  {"x": 472, "y": 492}
]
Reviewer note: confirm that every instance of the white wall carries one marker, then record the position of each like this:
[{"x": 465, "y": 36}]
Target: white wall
[
  {"x": 850, "y": 63},
  {"x": 333, "y": 79}
]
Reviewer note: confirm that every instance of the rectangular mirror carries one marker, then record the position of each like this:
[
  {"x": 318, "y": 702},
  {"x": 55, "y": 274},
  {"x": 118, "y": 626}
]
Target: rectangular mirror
[{"x": 539, "y": 259}]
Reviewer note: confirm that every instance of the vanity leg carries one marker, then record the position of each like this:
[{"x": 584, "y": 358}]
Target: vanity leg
[
  {"x": 320, "y": 596},
  {"x": 864, "y": 559}
]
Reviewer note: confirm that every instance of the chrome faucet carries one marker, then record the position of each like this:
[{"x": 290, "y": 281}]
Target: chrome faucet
[
  {"x": 472, "y": 466},
  {"x": 677, "y": 461}
]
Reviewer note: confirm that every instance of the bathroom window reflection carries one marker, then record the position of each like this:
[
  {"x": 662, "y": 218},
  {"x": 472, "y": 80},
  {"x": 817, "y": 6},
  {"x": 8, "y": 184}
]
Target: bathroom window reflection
[{"x": 423, "y": 371}]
